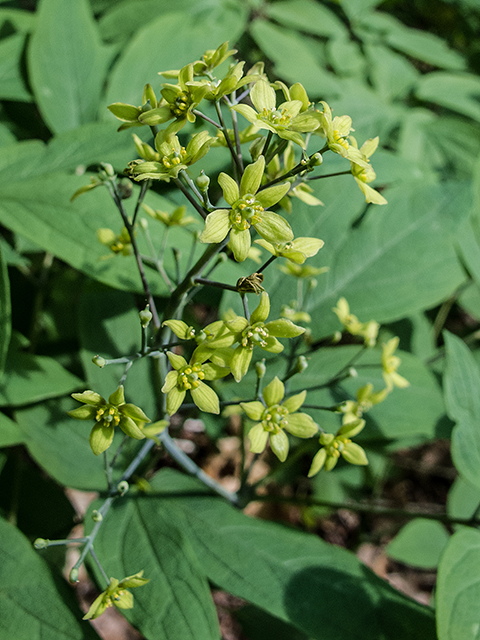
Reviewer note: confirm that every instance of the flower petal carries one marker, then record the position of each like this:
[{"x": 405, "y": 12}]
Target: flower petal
[
  {"x": 130, "y": 428},
  {"x": 170, "y": 381},
  {"x": 263, "y": 309},
  {"x": 240, "y": 243},
  {"x": 254, "y": 410},
  {"x": 177, "y": 362},
  {"x": 274, "y": 392},
  {"x": 294, "y": 403},
  {"x": 283, "y": 328},
  {"x": 270, "y": 196},
  {"x": 217, "y": 225},
  {"x": 252, "y": 177},
  {"x": 240, "y": 362},
  {"x": 274, "y": 228},
  {"x": 318, "y": 462},
  {"x": 280, "y": 445},
  {"x": 175, "y": 398},
  {"x": 205, "y": 398},
  {"x": 301, "y": 425},
  {"x": 101, "y": 438},
  {"x": 83, "y": 413},
  {"x": 263, "y": 96},
  {"x": 230, "y": 189},
  {"x": 258, "y": 438},
  {"x": 134, "y": 412},
  {"x": 354, "y": 454},
  {"x": 89, "y": 397},
  {"x": 118, "y": 396},
  {"x": 214, "y": 371}
]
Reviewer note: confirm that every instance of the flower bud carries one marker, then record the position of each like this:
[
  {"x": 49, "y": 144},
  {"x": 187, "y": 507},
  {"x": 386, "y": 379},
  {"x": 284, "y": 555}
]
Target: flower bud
[
  {"x": 260, "y": 368},
  {"x": 41, "y": 543},
  {"x": 145, "y": 316},
  {"x": 203, "y": 182},
  {"x": 125, "y": 189},
  {"x": 96, "y": 516},
  {"x": 107, "y": 167},
  {"x": 301, "y": 364},
  {"x": 352, "y": 372},
  {"x": 123, "y": 487},
  {"x": 73, "y": 575},
  {"x": 316, "y": 160},
  {"x": 99, "y": 361}
]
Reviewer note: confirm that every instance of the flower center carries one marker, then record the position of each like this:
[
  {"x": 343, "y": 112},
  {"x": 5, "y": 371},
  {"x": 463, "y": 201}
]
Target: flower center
[
  {"x": 174, "y": 158},
  {"x": 190, "y": 377},
  {"x": 391, "y": 364},
  {"x": 280, "y": 119},
  {"x": 246, "y": 211},
  {"x": 108, "y": 416},
  {"x": 275, "y": 418},
  {"x": 339, "y": 139},
  {"x": 181, "y": 105},
  {"x": 255, "y": 334}
]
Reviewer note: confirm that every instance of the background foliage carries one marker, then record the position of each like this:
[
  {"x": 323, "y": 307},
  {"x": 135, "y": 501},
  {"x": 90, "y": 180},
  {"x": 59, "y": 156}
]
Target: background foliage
[{"x": 400, "y": 70}]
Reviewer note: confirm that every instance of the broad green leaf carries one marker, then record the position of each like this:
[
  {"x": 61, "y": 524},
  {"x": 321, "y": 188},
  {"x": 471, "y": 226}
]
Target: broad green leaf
[
  {"x": 29, "y": 378},
  {"x": 346, "y": 57},
  {"x": 468, "y": 243},
  {"x": 109, "y": 325},
  {"x": 374, "y": 265},
  {"x": 199, "y": 32},
  {"x": 453, "y": 141},
  {"x": 463, "y": 499},
  {"x": 415, "y": 143},
  {"x": 307, "y": 16},
  {"x": 462, "y": 382},
  {"x": 358, "y": 8},
  {"x": 458, "y": 92},
  {"x": 292, "y": 575},
  {"x": 426, "y": 47},
  {"x": 5, "y": 312},
  {"x": 392, "y": 75},
  {"x": 458, "y": 588},
  {"x": 67, "y": 64},
  {"x": 177, "y": 601},
  {"x": 59, "y": 444},
  {"x": 12, "y": 84},
  {"x": 420, "y": 543},
  {"x": 21, "y": 21},
  {"x": 259, "y": 625},
  {"x": 33, "y": 603},
  {"x": 296, "y": 58},
  {"x": 10, "y": 433}
]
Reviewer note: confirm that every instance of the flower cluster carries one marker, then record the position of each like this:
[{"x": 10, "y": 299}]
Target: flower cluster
[
  {"x": 116, "y": 594},
  {"x": 367, "y": 330}
]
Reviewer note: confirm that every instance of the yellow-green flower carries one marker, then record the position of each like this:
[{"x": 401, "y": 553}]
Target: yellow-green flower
[
  {"x": 298, "y": 250},
  {"x": 301, "y": 270},
  {"x": 107, "y": 416},
  {"x": 337, "y": 132},
  {"x": 286, "y": 120},
  {"x": 340, "y": 444},
  {"x": 366, "y": 398},
  {"x": 189, "y": 376},
  {"x": 213, "y": 340},
  {"x": 257, "y": 332},
  {"x": 179, "y": 100},
  {"x": 169, "y": 158},
  {"x": 367, "y": 330},
  {"x": 365, "y": 174},
  {"x": 248, "y": 209},
  {"x": 121, "y": 243},
  {"x": 129, "y": 114},
  {"x": 275, "y": 417},
  {"x": 116, "y": 594},
  {"x": 390, "y": 364}
]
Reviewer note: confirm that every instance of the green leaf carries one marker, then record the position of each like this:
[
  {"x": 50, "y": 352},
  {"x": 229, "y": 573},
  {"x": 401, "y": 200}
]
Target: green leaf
[
  {"x": 463, "y": 499},
  {"x": 12, "y": 84},
  {"x": 458, "y": 587},
  {"x": 30, "y": 378},
  {"x": 296, "y": 58},
  {"x": 136, "y": 67},
  {"x": 458, "y": 92},
  {"x": 392, "y": 75},
  {"x": 33, "y": 603},
  {"x": 10, "y": 433},
  {"x": 67, "y": 64},
  {"x": 59, "y": 444},
  {"x": 462, "y": 381},
  {"x": 426, "y": 47},
  {"x": 292, "y": 575},
  {"x": 21, "y": 21},
  {"x": 259, "y": 625},
  {"x": 177, "y": 599},
  {"x": 307, "y": 16},
  {"x": 420, "y": 543},
  {"x": 5, "y": 312}
]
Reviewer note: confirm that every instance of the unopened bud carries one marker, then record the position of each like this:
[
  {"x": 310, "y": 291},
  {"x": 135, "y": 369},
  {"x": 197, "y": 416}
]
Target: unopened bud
[
  {"x": 123, "y": 487},
  {"x": 337, "y": 336},
  {"x": 260, "y": 368},
  {"x": 107, "y": 167},
  {"x": 312, "y": 284},
  {"x": 301, "y": 364},
  {"x": 316, "y": 160},
  {"x": 352, "y": 372},
  {"x": 145, "y": 316},
  {"x": 125, "y": 189},
  {"x": 41, "y": 543},
  {"x": 96, "y": 516},
  {"x": 73, "y": 575},
  {"x": 203, "y": 182},
  {"x": 99, "y": 361}
]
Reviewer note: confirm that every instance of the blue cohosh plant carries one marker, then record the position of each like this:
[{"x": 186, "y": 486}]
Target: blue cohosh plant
[{"x": 280, "y": 124}]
